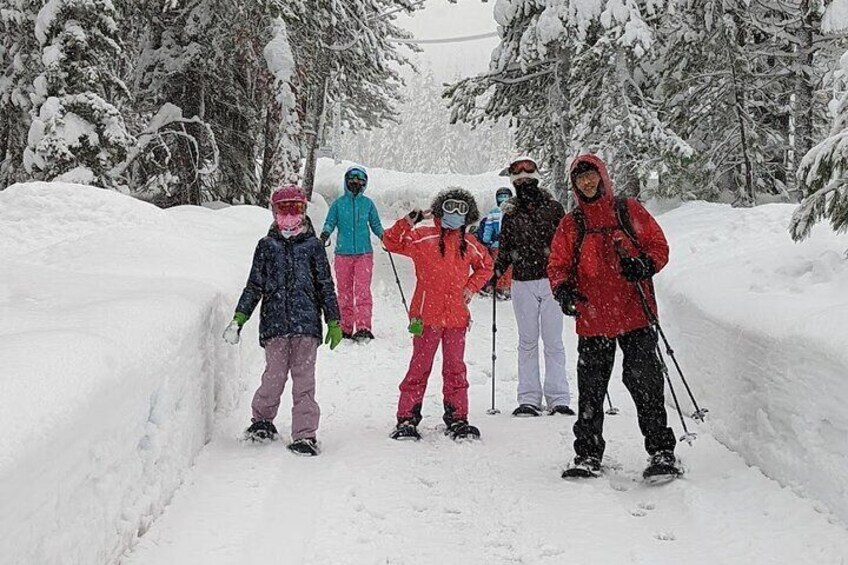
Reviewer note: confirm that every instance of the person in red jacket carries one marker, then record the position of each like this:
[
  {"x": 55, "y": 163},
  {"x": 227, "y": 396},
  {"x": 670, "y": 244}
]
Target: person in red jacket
[
  {"x": 450, "y": 267},
  {"x": 600, "y": 252}
]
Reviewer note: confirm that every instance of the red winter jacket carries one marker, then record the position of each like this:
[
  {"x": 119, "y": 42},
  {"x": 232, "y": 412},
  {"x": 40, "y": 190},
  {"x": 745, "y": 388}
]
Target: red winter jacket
[
  {"x": 438, "y": 298},
  {"x": 613, "y": 306}
]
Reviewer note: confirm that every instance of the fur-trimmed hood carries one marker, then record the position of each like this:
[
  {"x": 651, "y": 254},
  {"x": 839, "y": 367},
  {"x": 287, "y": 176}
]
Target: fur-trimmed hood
[{"x": 456, "y": 193}]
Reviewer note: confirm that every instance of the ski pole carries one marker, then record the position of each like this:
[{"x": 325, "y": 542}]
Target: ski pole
[
  {"x": 397, "y": 280},
  {"x": 612, "y": 409},
  {"x": 699, "y": 413},
  {"x": 494, "y": 410},
  {"x": 687, "y": 436}
]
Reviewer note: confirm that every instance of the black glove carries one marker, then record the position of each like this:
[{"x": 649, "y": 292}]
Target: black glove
[
  {"x": 415, "y": 216},
  {"x": 325, "y": 237},
  {"x": 568, "y": 297},
  {"x": 636, "y": 269}
]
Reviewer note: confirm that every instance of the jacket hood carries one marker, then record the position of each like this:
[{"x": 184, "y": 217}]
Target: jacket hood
[
  {"x": 347, "y": 172},
  {"x": 607, "y": 194},
  {"x": 456, "y": 193}
]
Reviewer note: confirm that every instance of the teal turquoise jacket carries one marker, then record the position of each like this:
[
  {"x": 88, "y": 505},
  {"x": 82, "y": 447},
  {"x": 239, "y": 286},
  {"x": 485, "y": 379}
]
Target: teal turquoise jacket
[{"x": 354, "y": 216}]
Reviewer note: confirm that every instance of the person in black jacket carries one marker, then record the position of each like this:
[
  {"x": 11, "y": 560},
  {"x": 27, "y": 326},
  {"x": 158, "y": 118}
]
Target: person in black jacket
[
  {"x": 529, "y": 223},
  {"x": 291, "y": 277}
]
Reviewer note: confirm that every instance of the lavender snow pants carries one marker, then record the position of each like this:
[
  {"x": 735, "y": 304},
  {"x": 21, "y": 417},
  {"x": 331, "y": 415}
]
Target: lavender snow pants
[{"x": 296, "y": 355}]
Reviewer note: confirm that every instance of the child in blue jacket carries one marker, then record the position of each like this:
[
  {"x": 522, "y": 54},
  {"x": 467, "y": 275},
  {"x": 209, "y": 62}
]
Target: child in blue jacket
[{"x": 355, "y": 216}]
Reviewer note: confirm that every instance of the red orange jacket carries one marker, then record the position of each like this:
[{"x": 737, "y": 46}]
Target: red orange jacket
[
  {"x": 438, "y": 300},
  {"x": 613, "y": 306}
]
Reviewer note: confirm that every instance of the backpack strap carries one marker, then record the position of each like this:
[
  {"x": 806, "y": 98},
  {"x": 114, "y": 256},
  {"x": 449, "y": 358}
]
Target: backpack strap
[
  {"x": 580, "y": 234},
  {"x": 622, "y": 214}
]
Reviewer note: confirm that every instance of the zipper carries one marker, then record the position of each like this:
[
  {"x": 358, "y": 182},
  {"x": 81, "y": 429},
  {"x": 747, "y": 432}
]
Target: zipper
[{"x": 355, "y": 248}]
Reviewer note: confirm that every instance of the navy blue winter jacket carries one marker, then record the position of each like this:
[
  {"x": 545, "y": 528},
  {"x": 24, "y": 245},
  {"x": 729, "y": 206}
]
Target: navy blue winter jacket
[{"x": 292, "y": 279}]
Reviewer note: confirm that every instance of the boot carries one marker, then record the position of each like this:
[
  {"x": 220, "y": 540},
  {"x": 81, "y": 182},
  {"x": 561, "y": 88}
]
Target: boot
[
  {"x": 261, "y": 430},
  {"x": 307, "y": 447},
  {"x": 583, "y": 467},
  {"x": 526, "y": 410},
  {"x": 405, "y": 430},
  {"x": 662, "y": 468}
]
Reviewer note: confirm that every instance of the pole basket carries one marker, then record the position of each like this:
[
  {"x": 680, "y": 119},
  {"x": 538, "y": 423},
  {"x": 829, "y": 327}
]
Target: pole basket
[
  {"x": 492, "y": 411},
  {"x": 689, "y": 437},
  {"x": 612, "y": 411},
  {"x": 700, "y": 414}
]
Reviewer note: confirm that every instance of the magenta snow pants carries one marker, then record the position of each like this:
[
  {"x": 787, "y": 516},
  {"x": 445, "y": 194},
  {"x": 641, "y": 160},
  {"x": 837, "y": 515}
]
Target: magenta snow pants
[
  {"x": 296, "y": 355},
  {"x": 353, "y": 281},
  {"x": 454, "y": 382}
]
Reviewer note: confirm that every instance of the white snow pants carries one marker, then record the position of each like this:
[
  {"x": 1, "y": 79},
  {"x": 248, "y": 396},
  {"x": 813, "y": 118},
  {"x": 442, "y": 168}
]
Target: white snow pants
[{"x": 537, "y": 312}]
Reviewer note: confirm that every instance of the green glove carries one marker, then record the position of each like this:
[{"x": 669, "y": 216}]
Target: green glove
[
  {"x": 416, "y": 327},
  {"x": 334, "y": 334},
  {"x": 240, "y": 318}
]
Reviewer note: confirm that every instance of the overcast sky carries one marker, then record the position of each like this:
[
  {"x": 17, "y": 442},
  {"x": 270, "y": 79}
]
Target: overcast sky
[{"x": 441, "y": 19}]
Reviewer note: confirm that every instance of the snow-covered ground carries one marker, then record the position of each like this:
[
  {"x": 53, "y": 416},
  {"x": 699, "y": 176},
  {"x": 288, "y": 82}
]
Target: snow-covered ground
[{"x": 116, "y": 392}]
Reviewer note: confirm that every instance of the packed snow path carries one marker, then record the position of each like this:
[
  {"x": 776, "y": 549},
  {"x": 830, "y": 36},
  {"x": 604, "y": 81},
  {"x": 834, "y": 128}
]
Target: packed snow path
[{"x": 368, "y": 499}]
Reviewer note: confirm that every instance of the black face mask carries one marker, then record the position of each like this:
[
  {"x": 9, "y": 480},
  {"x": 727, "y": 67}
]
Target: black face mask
[
  {"x": 355, "y": 188},
  {"x": 528, "y": 189}
]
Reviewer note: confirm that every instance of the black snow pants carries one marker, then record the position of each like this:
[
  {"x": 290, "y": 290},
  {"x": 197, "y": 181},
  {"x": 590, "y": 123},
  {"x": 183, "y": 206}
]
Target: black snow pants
[{"x": 643, "y": 378}]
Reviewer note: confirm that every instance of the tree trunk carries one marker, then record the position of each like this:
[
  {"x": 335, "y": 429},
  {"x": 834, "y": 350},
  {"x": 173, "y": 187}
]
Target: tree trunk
[
  {"x": 559, "y": 165},
  {"x": 804, "y": 96},
  {"x": 5, "y": 133},
  {"x": 271, "y": 167},
  {"x": 314, "y": 123},
  {"x": 746, "y": 193}
]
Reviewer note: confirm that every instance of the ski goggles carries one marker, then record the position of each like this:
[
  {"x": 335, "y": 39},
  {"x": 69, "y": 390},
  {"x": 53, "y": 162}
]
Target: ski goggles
[
  {"x": 525, "y": 166},
  {"x": 290, "y": 208},
  {"x": 453, "y": 206},
  {"x": 352, "y": 181},
  {"x": 356, "y": 177}
]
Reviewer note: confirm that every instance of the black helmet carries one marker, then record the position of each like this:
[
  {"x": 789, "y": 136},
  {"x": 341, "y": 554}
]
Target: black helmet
[{"x": 503, "y": 191}]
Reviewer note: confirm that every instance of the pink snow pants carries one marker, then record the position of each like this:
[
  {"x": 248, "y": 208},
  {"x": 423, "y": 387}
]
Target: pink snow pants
[
  {"x": 353, "y": 280},
  {"x": 296, "y": 355},
  {"x": 454, "y": 382}
]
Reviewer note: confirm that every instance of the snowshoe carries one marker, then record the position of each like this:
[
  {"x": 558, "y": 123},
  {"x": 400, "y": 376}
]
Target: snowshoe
[
  {"x": 561, "y": 409},
  {"x": 460, "y": 429},
  {"x": 405, "y": 430},
  {"x": 347, "y": 335},
  {"x": 526, "y": 411},
  {"x": 504, "y": 295},
  {"x": 307, "y": 447},
  {"x": 663, "y": 468},
  {"x": 583, "y": 468},
  {"x": 260, "y": 431},
  {"x": 363, "y": 336}
]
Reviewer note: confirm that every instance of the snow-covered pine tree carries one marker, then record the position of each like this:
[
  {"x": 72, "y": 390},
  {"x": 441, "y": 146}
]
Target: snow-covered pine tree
[
  {"x": 20, "y": 63},
  {"x": 739, "y": 83},
  {"x": 227, "y": 67},
  {"x": 77, "y": 132},
  {"x": 345, "y": 53},
  {"x": 576, "y": 77},
  {"x": 823, "y": 173},
  {"x": 520, "y": 87},
  {"x": 613, "y": 109}
]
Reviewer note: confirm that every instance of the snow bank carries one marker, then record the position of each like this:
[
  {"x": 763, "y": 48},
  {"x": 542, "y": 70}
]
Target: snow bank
[
  {"x": 396, "y": 193},
  {"x": 759, "y": 324},
  {"x": 114, "y": 373}
]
